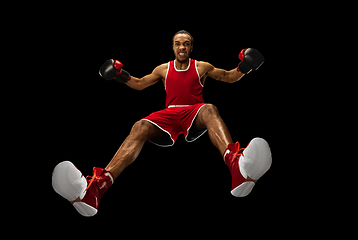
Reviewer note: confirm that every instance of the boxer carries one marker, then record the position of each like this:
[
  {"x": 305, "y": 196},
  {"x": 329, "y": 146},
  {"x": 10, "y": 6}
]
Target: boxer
[{"x": 185, "y": 113}]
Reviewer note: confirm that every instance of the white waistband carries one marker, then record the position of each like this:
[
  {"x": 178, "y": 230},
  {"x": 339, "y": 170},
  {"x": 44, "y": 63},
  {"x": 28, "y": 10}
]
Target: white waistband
[{"x": 178, "y": 106}]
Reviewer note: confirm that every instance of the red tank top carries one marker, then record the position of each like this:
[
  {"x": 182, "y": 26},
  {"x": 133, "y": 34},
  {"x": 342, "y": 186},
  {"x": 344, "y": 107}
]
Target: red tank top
[{"x": 183, "y": 87}]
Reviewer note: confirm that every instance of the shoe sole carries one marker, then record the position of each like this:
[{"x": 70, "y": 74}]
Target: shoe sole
[
  {"x": 84, "y": 209},
  {"x": 69, "y": 182},
  {"x": 254, "y": 163}
]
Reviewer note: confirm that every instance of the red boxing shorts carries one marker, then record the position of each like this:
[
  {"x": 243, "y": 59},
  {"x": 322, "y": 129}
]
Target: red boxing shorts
[{"x": 174, "y": 120}]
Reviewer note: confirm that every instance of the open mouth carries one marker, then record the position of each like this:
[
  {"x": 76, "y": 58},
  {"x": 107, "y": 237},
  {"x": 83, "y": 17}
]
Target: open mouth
[{"x": 182, "y": 54}]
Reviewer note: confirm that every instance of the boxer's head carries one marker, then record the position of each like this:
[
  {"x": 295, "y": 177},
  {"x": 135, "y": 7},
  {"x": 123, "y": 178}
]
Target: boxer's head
[{"x": 182, "y": 45}]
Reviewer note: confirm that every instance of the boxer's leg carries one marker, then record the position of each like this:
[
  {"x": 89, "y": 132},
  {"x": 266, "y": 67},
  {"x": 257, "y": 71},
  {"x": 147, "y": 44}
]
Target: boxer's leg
[
  {"x": 246, "y": 165},
  {"x": 209, "y": 118},
  {"x": 84, "y": 194},
  {"x": 132, "y": 145}
]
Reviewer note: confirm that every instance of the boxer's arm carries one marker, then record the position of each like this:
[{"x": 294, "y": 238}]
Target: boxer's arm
[
  {"x": 144, "y": 82},
  {"x": 225, "y": 76},
  {"x": 251, "y": 60},
  {"x": 222, "y": 75},
  {"x": 148, "y": 80}
]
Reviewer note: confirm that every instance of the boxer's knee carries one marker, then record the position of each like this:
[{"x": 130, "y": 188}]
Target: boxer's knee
[
  {"x": 209, "y": 113},
  {"x": 143, "y": 130},
  {"x": 211, "y": 109}
]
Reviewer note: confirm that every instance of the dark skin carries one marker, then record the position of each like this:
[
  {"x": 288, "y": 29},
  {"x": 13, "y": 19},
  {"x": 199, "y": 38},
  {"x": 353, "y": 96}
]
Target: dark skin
[{"x": 208, "y": 116}]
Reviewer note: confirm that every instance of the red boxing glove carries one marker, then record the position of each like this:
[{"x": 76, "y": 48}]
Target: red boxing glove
[
  {"x": 241, "y": 54},
  {"x": 118, "y": 65},
  {"x": 122, "y": 76}
]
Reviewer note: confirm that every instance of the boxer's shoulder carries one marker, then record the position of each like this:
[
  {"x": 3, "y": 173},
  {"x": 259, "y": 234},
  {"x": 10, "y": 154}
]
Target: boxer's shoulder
[{"x": 161, "y": 70}]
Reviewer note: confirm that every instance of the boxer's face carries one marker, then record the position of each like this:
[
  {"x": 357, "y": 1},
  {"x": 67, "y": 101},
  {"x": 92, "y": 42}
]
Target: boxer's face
[{"x": 182, "y": 47}]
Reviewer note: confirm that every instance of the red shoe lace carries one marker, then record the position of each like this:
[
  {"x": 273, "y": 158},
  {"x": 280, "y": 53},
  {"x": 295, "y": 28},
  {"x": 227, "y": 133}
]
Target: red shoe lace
[
  {"x": 93, "y": 178},
  {"x": 238, "y": 152}
]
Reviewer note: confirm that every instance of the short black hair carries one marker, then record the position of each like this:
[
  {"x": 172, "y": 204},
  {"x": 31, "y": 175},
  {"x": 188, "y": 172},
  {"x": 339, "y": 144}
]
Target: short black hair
[{"x": 185, "y": 32}]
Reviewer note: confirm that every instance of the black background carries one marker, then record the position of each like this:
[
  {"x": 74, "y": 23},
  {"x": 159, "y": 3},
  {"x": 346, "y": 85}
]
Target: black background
[{"x": 83, "y": 118}]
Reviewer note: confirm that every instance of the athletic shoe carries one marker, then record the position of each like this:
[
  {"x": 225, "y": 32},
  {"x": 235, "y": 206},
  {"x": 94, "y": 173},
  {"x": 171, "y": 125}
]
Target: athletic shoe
[
  {"x": 247, "y": 165},
  {"x": 82, "y": 193}
]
